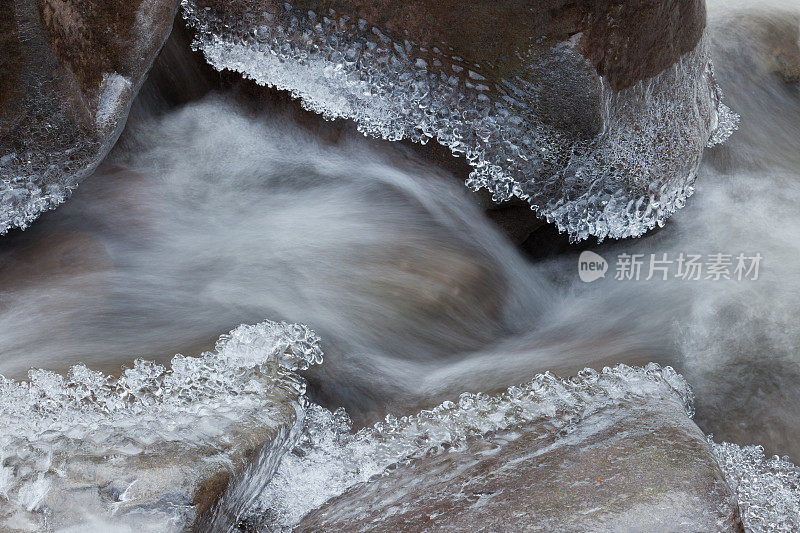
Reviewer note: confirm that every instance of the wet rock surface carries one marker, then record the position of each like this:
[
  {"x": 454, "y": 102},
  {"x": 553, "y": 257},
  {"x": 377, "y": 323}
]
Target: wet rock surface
[
  {"x": 610, "y": 450},
  {"x": 68, "y": 73},
  {"x": 641, "y": 467}
]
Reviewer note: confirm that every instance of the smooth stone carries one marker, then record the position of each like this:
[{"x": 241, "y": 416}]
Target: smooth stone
[
  {"x": 68, "y": 75},
  {"x": 642, "y": 467}
]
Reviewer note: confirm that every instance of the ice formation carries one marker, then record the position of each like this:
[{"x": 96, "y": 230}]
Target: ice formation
[
  {"x": 70, "y": 436},
  {"x": 84, "y": 431},
  {"x": 620, "y": 183},
  {"x": 329, "y": 458},
  {"x": 31, "y": 184},
  {"x": 52, "y": 423},
  {"x": 768, "y": 489}
]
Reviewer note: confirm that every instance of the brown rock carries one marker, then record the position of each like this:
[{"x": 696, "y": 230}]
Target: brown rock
[
  {"x": 645, "y": 467},
  {"x": 69, "y": 71},
  {"x": 559, "y": 104},
  {"x": 623, "y": 41},
  {"x": 626, "y": 41}
]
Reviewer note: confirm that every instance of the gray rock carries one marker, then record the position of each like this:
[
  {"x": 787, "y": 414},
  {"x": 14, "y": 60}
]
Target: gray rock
[{"x": 156, "y": 448}]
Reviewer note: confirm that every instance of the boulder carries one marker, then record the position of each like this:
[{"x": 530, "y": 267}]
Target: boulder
[
  {"x": 155, "y": 448},
  {"x": 594, "y": 113},
  {"x": 643, "y": 468},
  {"x": 614, "y": 450},
  {"x": 624, "y": 41},
  {"x": 68, "y": 74}
]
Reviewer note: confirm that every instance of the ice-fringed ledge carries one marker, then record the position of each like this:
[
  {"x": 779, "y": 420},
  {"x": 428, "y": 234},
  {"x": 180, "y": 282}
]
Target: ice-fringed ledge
[
  {"x": 628, "y": 179},
  {"x": 132, "y": 451}
]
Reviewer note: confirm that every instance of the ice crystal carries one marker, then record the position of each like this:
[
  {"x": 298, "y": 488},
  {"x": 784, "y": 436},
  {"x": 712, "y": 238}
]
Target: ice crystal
[{"x": 768, "y": 490}]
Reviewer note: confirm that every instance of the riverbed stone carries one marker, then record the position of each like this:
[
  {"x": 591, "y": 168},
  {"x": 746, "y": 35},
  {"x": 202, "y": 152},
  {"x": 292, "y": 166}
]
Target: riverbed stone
[
  {"x": 172, "y": 483},
  {"x": 643, "y": 467},
  {"x": 155, "y": 449},
  {"x": 624, "y": 41},
  {"x": 68, "y": 73}
]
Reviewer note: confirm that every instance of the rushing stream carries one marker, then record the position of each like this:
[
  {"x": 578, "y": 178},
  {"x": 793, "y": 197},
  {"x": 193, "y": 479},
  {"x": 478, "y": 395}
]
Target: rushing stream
[{"x": 212, "y": 215}]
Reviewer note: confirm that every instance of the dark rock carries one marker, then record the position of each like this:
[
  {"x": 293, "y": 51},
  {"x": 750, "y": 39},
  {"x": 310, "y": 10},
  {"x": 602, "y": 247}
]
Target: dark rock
[
  {"x": 625, "y": 41},
  {"x": 69, "y": 71}
]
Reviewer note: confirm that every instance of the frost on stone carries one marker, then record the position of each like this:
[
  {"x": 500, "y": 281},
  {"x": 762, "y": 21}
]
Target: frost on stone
[
  {"x": 626, "y": 179},
  {"x": 768, "y": 490},
  {"x": 329, "y": 458},
  {"x": 91, "y": 450},
  {"x": 69, "y": 72},
  {"x": 88, "y": 443}
]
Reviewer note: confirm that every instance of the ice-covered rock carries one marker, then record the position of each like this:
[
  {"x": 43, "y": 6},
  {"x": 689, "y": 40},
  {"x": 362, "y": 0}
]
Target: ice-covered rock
[
  {"x": 596, "y": 113},
  {"x": 68, "y": 73},
  {"x": 228, "y": 440},
  {"x": 611, "y": 450},
  {"x": 155, "y": 446}
]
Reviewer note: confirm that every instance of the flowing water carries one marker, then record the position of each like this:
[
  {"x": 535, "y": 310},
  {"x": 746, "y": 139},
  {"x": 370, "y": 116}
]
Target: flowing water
[{"x": 211, "y": 215}]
